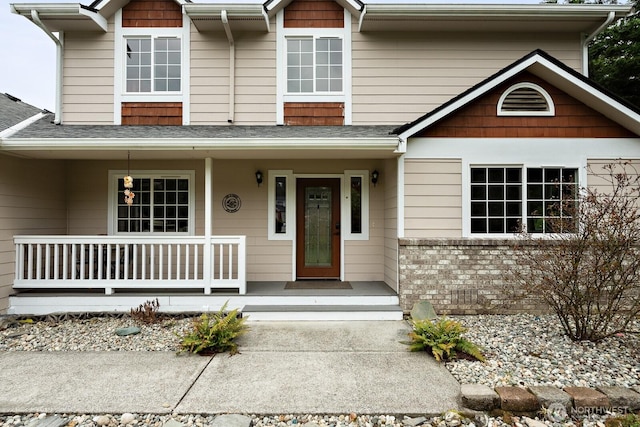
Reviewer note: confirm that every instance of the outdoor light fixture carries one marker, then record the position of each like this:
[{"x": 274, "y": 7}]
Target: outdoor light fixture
[
  {"x": 259, "y": 178},
  {"x": 374, "y": 177}
]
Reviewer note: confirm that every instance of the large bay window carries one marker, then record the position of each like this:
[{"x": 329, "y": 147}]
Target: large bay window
[{"x": 509, "y": 199}]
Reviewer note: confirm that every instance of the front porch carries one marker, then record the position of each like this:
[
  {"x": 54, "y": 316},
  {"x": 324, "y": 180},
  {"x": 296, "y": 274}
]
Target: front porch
[
  {"x": 187, "y": 274},
  {"x": 262, "y": 301}
]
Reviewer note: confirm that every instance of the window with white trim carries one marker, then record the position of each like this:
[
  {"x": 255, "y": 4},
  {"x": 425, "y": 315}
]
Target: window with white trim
[
  {"x": 162, "y": 203},
  {"x": 153, "y": 64},
  {"x": 314, "y": 64},
  {"x": 506, "y": 199},
  {"x": 281, "y": 207},
  {"x": 356, "y": 192}
]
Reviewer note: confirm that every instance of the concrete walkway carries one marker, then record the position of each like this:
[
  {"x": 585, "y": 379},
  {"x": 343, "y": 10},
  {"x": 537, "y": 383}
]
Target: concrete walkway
[{"x": 299, "y": 368}]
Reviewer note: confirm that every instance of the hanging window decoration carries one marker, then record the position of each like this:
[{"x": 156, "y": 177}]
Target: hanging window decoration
[{"x": 128, "y": 183}]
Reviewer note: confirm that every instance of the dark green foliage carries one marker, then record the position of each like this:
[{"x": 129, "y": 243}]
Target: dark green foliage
[
  {"x": 443, "y": 338},
  {"x": 214, "y": 333},
  {"x": 614, "y": 58}
]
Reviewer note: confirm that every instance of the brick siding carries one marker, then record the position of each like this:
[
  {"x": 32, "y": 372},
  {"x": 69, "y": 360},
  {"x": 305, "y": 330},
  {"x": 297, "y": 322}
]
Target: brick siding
[{"x": 461, "y": 276}]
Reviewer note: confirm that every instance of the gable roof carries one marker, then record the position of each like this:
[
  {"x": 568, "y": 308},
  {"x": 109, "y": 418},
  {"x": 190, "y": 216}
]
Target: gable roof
[
  {"x": 549, "y": 69},
  {"x": 16, "y": 115}
]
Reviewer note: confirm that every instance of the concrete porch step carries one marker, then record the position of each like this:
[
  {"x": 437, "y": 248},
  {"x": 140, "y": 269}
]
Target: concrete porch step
[{"x": 322, "y": 312}]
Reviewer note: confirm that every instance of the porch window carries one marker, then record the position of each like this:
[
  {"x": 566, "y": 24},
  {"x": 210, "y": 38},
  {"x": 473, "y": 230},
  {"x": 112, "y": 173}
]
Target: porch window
[
  {"x": 507, "y": 199},
  {"x": 281, "y": 214},
  {"x": 356, "y": 204},
  {"x": 162, "y": 204}
]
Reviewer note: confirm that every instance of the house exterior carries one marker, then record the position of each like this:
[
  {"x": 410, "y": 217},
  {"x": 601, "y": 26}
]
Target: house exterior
[{"x": 395, "y": 147}]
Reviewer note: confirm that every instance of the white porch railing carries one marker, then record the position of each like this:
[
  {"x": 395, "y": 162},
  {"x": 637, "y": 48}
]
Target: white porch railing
[{"x": 140, "y": 262}]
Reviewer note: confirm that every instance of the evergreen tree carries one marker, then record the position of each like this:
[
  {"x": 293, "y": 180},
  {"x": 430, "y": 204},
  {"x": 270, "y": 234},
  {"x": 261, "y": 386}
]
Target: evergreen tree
[{"x": 614, "y": 57}]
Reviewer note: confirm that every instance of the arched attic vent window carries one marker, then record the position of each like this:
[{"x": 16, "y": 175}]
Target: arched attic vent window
[{"x": 525, "y": 99}]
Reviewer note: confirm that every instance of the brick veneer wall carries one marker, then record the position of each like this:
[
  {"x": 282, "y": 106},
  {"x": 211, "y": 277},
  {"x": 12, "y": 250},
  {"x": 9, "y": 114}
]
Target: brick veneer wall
[{"x": 461, "y": 276}]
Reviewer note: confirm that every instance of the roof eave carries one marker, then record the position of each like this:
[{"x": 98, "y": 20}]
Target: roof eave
[
  {"x": 63, "y": 16},
  {"x": 208, "y": 16}
]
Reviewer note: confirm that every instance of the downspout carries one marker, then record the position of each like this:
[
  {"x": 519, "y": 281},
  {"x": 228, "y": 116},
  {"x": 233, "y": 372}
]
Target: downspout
[
  {"x": 587, "y": 40},
  {"x": 232, "y": 66},
  {"x": 59, "y": 61}
]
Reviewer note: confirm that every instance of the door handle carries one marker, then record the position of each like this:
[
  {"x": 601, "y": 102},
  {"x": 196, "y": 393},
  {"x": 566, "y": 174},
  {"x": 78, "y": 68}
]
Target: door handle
[{"x": 337, "y": 226}]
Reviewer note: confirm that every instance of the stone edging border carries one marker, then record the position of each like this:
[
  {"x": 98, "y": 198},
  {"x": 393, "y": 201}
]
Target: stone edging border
[{"x": 531, "y": 400}]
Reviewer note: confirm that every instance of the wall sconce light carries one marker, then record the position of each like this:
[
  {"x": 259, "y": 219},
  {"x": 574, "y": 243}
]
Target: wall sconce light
[
  {"x": 259, "y": 178},
  {"x": 374, "y": 177}
]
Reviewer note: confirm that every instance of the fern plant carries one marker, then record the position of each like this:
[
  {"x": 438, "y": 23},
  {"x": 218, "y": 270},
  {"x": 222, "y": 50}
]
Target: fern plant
[
  {"x": 444, "y": 339},
  {"x": 214, "y": 333}
]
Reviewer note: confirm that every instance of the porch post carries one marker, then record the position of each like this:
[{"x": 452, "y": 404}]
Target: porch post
[{"x": 208, "y": 221}]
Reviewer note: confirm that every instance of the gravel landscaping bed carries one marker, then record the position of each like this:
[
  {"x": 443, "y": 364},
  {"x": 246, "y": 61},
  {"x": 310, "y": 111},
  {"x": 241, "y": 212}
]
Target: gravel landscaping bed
[
  {"x": 531, "y": 350},
  {"x": 520, "y": 349}
]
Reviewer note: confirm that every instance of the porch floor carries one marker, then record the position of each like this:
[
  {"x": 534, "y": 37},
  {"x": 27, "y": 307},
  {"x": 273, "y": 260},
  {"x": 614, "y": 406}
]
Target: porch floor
[{"x": 374, "y": 297}]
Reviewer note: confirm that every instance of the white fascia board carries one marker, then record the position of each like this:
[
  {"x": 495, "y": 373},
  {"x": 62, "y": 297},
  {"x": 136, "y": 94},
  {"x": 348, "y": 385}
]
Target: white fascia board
[
  {"x": 353, "y": 6},
  {"x": 215, "y": 9},
  {"x": 53, "y": 11},
  {"x": 102, "y": 144},
  {"x": 495, "y": 10},
  {"x": 18, "y": 127}
]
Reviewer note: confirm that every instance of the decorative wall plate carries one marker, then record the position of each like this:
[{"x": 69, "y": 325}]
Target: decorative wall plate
[{"x": 231, "y": 203}]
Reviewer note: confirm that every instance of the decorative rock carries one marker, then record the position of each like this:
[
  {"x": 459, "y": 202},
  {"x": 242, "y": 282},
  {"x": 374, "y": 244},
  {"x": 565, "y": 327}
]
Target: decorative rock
[
  {"x": 132, "y": 330},
  {"x": 533, "y": 423},
  {"x": 127, "y": 418},
  {"x": 517, "y": 399},
  {"x": 621, "y": 397},
  {"x": 585, "y": 397},
  {"x": 479, "y": 397},
  {"x": 231, "y": 420},
  {"x": 102, "y": 420},
  {"x": 423, "y": 310},
  {"x": 414, "y": 421},
  {"x": 548, "y": 396},
  {"x": 53, "y": 421}
]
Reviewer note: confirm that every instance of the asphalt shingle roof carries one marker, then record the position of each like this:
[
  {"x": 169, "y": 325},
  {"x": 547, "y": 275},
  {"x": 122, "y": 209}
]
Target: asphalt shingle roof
[
  {"x": 45, "y": 129},
  {"x": 14, "y": 111}
]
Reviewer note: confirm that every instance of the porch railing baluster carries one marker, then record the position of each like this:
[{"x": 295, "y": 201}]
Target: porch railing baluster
[{"x": 132, "y": 262}]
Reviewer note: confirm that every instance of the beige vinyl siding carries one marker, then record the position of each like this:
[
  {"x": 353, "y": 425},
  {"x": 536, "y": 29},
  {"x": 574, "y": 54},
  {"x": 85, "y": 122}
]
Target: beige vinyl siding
[
  {"x": 32, "y": 202},
  {"x": 255, "y": 78},
  {"x": 364, "y": 260},
  {"x": 88, "y": 203},
  {"x": 598, "y": 177},
  {"x": 88, "y": 81},
  {"x": 397, "y": 77},
  {"x": 433, "y": 198},
  {"x": 391, "y": 222}
]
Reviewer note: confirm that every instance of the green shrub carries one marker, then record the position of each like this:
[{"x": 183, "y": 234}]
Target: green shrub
[
  {"x": 629, "y": 420},
  {"x": 214, "y": 333},
  {"x": 443, "y": 337}
]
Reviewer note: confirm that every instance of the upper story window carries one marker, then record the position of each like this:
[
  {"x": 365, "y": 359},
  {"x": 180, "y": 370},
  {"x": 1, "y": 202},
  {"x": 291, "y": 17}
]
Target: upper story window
[
  {"x": 314, "y": 65},
  {"x": 153, "y": 64},
  {"x": 525, "y": 99},
  {"x": 508, "y": 199}
]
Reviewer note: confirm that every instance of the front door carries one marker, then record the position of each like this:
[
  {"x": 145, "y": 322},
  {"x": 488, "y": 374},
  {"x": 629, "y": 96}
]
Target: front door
[{"x": 318, "y": 228}]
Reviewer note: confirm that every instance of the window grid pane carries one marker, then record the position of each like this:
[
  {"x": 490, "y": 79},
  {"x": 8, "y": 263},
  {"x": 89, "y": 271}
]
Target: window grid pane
[
  {"x": 160, "y": 64},
  {"x": 551, "y": 196},
  {"x": 314, "y": 66},
  {"x": 496, "y": 200},
  {"x": 138, "y": 65},
  {"x": 159, "y": 205}
]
